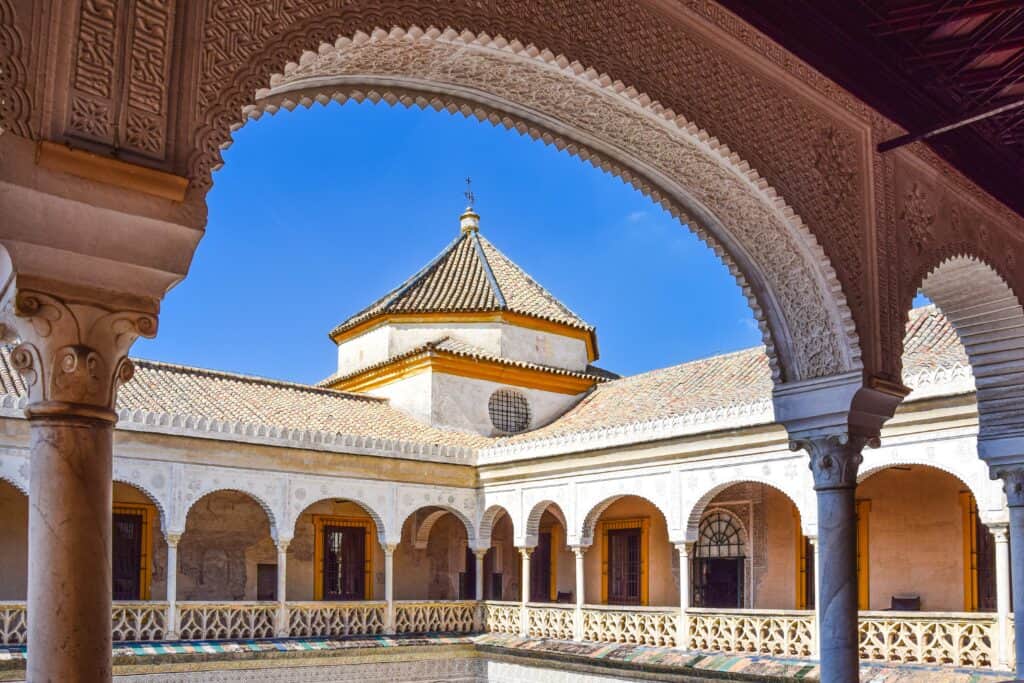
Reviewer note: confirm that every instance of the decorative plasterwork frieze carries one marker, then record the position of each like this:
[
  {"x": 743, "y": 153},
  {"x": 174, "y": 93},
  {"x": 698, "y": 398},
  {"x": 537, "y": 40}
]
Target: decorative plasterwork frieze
[
  {"x": 15, "y": 105},
  {"x": 766, "y": 245}
]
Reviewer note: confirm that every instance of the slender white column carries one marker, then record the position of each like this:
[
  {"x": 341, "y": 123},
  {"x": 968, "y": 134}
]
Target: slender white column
[
  {"x": 1013, "y": 486},
  {"x": 1000, "y": 534},
  {"x": 683, "y": 632},
  {"x": 834, "y": 463},
  {"x": 282, "y": 585},
  {"x": 524, "y": 625},
  {"x": 389, "y": 586},
  {"x": 581, "y": 583},
  {"x": 172, "y": 586},
  {"x": 815, "y": 649},
  {"x": 478, "y": 613}
]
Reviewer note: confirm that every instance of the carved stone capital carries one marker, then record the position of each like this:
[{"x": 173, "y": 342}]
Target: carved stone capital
[
  {"x": 1000, "y": 532},
  {"x": 835, "y": 458},
  {"x": 525, "y": 551},
  {"x": 172, "y": 540},
  {"x": 72, "y": 355},
  {"x": 389, "y": 548},
  {"x": 1013, "y": 484},
  {"x": 480, "y": 553},
  {"x": 282, "y": 544},
  {"x": 684, "y": 549}
]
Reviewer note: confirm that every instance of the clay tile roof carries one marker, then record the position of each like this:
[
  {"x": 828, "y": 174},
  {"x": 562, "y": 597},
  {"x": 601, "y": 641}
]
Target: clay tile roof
[{"x": 469, "y": 276}]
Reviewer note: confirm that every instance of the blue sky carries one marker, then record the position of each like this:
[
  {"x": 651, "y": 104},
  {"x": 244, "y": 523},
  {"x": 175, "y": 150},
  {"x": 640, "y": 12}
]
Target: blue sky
[{"x": 318, "y": 212}]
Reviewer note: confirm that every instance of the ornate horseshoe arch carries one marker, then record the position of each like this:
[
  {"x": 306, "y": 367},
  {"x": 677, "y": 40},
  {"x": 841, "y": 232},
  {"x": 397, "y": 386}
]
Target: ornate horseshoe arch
[{"x": 788, "y": 281}]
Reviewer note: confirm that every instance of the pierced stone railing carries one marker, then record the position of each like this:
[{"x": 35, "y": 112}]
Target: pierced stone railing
[
  {"x": 306, "y": 619},
  {"x": 137, "y": 620},
  {"x": 435, "y": 616},
  {"x": 13, "y": 623},
  {"x": 226, "y": 620},
  {"x": 639, "y": 625},
  {"x": 787, "y": 633},
  {"x": 550, "y": 621},
  {"x": 966, "y": 639},
  {"x": 502, "y": 617}
]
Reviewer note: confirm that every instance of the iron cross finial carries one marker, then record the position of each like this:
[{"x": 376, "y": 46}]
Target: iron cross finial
[{"x": 470, "y": 197}]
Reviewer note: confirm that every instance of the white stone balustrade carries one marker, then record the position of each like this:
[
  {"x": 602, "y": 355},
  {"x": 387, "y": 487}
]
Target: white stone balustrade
[
  {"x": 786, "y": 633},
  {"x": 966, "y": 639},
  {"x": 139, "y": 620},
  {"x": 639, "y": 625},
  {"x": 434, "y": 616},
  {"x": 502, "y": 616},
  {"x": 13, "y": 623},
  {"x": 226, "y": 620},
  {"x": 307, "y": 619},
  {"x": 550, "y": 621}
]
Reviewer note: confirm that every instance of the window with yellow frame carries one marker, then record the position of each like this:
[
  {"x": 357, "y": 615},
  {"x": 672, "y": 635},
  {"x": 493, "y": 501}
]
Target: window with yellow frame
[
  {"x": 370, "y": 535},
  {"x": 603, "y": 529},
  {"x": 145, "y": 512}
]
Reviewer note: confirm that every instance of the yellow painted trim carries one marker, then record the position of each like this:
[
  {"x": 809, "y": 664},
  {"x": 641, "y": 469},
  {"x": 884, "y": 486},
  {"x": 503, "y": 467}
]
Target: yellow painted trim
[
  {"x": 801, "y": 562},
  {"x": 863, "y": 555},
  {"x": 518, "y": 319},
  {"x": 146, "y": 550},
  {"x": 969, "y": 516},
  {"x": 319, "y": 522},
  {"x": 64, "y": 159},
  {"x": 439, "y": 361},
  {"x": 603, "y": 527}
]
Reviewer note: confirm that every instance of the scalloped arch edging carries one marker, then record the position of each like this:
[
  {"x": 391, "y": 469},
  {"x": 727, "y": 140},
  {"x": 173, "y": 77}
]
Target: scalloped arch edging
[
  {"x": 702, "y": 505},
  {"x": 800, "y": 298}
]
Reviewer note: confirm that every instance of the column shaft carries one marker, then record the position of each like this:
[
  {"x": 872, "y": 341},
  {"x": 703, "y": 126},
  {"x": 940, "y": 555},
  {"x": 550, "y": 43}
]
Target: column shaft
[
  {"x": 683, "y": 632},
  {"x": 837, "y": 586},
  {"x": 1017, "y": 574},
  {"x": 283, "y": 629},
  {"x": 389, "y": 588},
  {"x": 480, "y": 554},
  {"x": 1002, "y": 549},
  {"x": 524, "y": 624},
  {"x": 69, "y": 526},
  {"x": 581, "y": 584},
  {"x": 816, "y": 651},
  {"x": 172, "y": 587}
]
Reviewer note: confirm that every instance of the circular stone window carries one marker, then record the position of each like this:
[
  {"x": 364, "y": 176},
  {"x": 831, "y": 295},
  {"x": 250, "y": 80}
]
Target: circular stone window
[{"x": 510, "y": 413}]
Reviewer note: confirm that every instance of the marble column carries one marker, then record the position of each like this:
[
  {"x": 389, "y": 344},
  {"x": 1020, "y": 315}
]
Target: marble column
[
  {"x": 834, "y": 463},
  {"x": 72, "y": 356},
  {"x": 524, "y": 625},
  {"x": 815, "y": 649},
  {"x": 478, "y": 614},
  {"x": 1000, "y": 534},
  {"x": 282, "y": 586},
  {"x": 683, "y": 632},
  {"x": 389, "y": 587},
  {"x": 1013, "y": 486},
  {"x": 172, "y": 586},
  {"x": 581, "y": 587}
]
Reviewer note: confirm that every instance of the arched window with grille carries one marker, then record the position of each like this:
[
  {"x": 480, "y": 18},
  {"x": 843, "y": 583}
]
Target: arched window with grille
[{"x": 719, "y": 562}]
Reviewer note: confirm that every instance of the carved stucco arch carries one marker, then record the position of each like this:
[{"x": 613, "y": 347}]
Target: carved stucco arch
[
  {"x": 467, "y": 523},
  {"x": 378, "y": 520},
  {"x": 783, "y": 272},
  {"x": 988, "y": 319},
  {"x": 532, "y": 526},
  {"x": 272, "y": 518},
  {"x": 594, "y": 515},
  {"x": 487, "y": 521},
  {"x": 744, "y": 532},
  {"x": 805, "y": 505},
  {"x": 988, "y": 494},
  {"x": 158, "y": 502}
]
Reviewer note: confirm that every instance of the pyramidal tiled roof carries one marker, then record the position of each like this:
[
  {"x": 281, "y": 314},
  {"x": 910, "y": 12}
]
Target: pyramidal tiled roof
[{"x": 470, "y": 276}]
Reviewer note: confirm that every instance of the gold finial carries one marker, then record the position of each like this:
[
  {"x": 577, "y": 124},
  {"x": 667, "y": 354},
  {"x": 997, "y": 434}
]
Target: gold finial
[{"x": 469, "y": 221}]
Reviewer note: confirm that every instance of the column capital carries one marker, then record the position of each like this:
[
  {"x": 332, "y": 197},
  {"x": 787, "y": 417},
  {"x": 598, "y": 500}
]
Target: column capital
[
  {"x": 525, "y": 550},
  {"x": 282, "y": 544},
  {"x": 579, "y": 550},
  {"x": 389, "y": 548},
  {"x": 684, "y": 548},
  {"x": 72, "y": 352},
  {"x": 172, "y": 539},
  {"x": 1000, "y": 531},
  {"x": 1013, "y": 484},
  {"x": 835, "y": 458},
  {"x": 480, "y": 553}
]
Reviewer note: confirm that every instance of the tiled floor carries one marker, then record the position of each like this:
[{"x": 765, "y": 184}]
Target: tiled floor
[{"x": 615, "y": 658}]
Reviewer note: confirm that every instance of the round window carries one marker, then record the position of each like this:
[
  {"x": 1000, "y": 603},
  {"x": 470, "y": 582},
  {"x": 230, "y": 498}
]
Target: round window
[{"x": 510, "y": 413}]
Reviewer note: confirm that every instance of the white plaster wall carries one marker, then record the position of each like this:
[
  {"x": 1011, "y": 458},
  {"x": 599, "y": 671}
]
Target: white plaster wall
[
  {"x": 461, "y": 403},
  {"x": 365, "y": 350},
  {"x": 500, "y": 339},
  {"x": 412, "y": 395}
]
